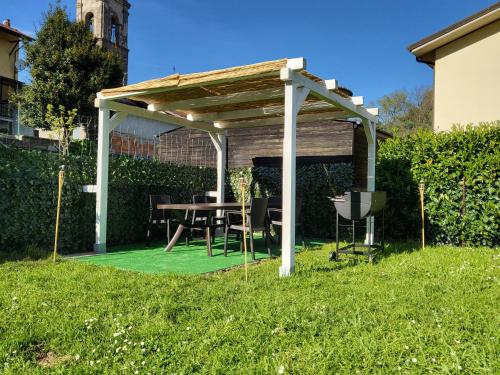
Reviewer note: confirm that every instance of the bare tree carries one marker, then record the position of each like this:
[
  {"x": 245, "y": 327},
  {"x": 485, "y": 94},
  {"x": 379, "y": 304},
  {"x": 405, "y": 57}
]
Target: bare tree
[{"x": 405, "y": 112}]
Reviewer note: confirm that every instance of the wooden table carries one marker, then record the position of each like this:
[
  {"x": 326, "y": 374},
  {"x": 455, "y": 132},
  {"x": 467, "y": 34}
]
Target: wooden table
[{"x": 209, "y": 207}]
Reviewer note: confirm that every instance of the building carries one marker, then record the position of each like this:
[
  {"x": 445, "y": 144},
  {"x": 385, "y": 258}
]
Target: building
[
  {"x": 10, "y": 64},
  {"x": 465, "y": 58},
  {"x": 108, "y": 21}
]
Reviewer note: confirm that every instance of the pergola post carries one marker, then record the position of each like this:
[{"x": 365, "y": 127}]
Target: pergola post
[
  {"x": 294, "y": 97},
  {"x": 219, "y": 141},
  {"x": 371, "y": 138},
  {"x": 101, "y": 206}
]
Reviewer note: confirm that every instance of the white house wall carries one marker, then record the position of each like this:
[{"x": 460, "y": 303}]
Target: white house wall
[
  {"x": 143, "y": 128},
  {"x": 467, "y": 79}
]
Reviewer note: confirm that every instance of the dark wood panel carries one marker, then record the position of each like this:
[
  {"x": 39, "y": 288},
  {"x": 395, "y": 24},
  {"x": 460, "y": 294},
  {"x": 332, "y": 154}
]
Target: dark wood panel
[
  {"x": 360, "y": 156},
  {"x": 325, "y": 138},
  {"x": 322, "y": 138}
]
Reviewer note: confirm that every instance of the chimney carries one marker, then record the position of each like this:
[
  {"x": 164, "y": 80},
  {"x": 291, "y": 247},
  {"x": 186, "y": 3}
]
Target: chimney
[{"x": 7, "y": 22}]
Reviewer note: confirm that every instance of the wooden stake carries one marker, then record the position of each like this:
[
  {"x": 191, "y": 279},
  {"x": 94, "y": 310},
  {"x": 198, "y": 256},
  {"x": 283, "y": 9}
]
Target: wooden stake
[
  {"x": 243, "y": 214},
  {"x": 421, "y": 189},
  {"x": 59, "y": 195}
]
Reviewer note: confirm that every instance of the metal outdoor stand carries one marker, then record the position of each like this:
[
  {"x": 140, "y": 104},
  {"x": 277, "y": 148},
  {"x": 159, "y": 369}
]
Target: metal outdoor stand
[{"x": 357, "y": 206}]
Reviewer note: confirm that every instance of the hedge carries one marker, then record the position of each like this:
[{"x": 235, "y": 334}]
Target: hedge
[
  {"x": 28, "y": 189},
  {"x": 460, "y": 170}
]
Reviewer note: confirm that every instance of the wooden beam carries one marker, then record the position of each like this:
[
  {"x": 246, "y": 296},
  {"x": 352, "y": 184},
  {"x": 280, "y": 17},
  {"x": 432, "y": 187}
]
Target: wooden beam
[
  {"x": 357, "y": 100},
  {"x": 101, "y": 206},
  {"x": 371, "y": 136},
  {"x": 209, "y": 101},
  {"x": 275, "y": 110},
  {"x": 322, "y": 116},
  {"x": 117, "y": 119},
  {"x": 331, "y": 84},
  {"x": 89, "y": 188},
  {"x": 294, "y": 97},
  {"x": 155, "y": 116},
  {"x": 298, "y": 63},
  {"x": 219, "y": 141},
  {"x": 320, "y": 90}
]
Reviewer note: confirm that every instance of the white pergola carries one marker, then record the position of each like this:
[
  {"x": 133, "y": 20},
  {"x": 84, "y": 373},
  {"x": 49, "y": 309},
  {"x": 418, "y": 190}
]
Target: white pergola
[{"x": 269, "y": 93}]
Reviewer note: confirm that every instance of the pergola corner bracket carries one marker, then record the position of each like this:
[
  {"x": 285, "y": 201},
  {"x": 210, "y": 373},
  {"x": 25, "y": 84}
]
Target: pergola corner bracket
[
  {"x": 216, "y": 141},
  {"x": 300, "y": 97},
  {"x": 319, "y": 89}
]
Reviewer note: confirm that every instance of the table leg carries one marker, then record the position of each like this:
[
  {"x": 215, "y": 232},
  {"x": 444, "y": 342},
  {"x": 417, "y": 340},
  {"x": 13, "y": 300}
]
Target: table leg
[
  {"x": 209, "y": 242},
  {"x": 174, "y": 239},
  {"x": 209, "y": 235}
]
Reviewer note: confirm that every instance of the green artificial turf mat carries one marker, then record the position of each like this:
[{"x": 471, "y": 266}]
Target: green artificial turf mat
[{"x": 182, "y": 259}]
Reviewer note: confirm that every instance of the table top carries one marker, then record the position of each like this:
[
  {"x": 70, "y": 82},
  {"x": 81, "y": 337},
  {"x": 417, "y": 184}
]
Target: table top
[{"x": 201, "y": 206}]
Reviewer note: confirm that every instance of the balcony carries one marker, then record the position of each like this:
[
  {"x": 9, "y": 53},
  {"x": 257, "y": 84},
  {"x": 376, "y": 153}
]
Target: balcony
[
  {"x": 7, "y": 111},
  {"x": 8, "y": 118}
]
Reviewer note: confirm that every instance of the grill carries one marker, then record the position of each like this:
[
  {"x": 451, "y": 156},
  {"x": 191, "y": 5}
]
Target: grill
[{"x": 356, "y": 206}]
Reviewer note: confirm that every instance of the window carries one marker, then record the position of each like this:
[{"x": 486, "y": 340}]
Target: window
[
  {"x": 115, "y": 31},
  {"x": 89, "y": 22}
]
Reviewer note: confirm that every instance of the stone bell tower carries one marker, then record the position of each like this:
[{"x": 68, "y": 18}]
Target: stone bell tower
[{"x": 108, "y": 21}]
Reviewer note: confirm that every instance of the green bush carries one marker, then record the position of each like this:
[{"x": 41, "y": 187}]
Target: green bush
[{"x": 462, "y": 185}]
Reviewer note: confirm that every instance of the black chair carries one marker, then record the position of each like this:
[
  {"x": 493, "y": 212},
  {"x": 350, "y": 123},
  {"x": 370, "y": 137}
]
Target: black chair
[
  {"x": 275, "y": 214},
  {"x": 256, "y": 221},
  {"x": 158, "y": 217},
  {"x": 200, "y": 220},
  {"x": 217, "y": 220}
]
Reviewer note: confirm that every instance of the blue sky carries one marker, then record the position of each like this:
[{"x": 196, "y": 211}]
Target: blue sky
[{"x": 360, "y": 43}]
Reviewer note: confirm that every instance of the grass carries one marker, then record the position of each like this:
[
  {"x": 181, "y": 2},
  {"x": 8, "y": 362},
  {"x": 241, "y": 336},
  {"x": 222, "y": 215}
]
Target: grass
[
  {"x": 182, "y": 259},
  {"x": 412, "y": 312}
]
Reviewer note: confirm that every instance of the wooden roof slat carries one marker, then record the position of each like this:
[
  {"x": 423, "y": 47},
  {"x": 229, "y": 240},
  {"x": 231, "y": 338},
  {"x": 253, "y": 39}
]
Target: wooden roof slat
[
  {"x": 322, "y": 116},
  {"x": 193, "y": 79},
  {"x": 266, "y": 111},
  {"x": 210, "y": 101}
]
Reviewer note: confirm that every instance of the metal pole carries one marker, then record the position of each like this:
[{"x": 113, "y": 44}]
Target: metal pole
[
  {"x": 421, "y": 189},
  {"x": 243, "y": 214},
  {"x": 337, "y": 235},
  {"x": 59, "y": 195}
]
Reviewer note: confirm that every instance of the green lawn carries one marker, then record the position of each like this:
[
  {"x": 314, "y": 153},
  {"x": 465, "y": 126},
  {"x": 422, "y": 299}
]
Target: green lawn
[{"x": 412, "y": 312}]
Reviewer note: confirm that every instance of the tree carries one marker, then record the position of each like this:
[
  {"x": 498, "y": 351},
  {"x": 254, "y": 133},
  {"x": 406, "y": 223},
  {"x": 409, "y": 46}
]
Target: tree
[
  {"x": 405, "y": 112},
  {"x": 67, "y": 69},
  {"x": 63, "y": 123}
]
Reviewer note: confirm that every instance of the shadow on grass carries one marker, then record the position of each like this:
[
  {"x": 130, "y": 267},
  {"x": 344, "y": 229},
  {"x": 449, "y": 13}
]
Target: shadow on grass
[
  {"x": 326, "y": 266},
  {"x": 30, "y": 253}
]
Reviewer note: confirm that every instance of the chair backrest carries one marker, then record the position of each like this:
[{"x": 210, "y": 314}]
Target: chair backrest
[
  {"x": 274, "y": 201},
  {"x": 258, "y": 209},
  {"x": 156, "y": 199},
  {"x": 200, "y": 199}
]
